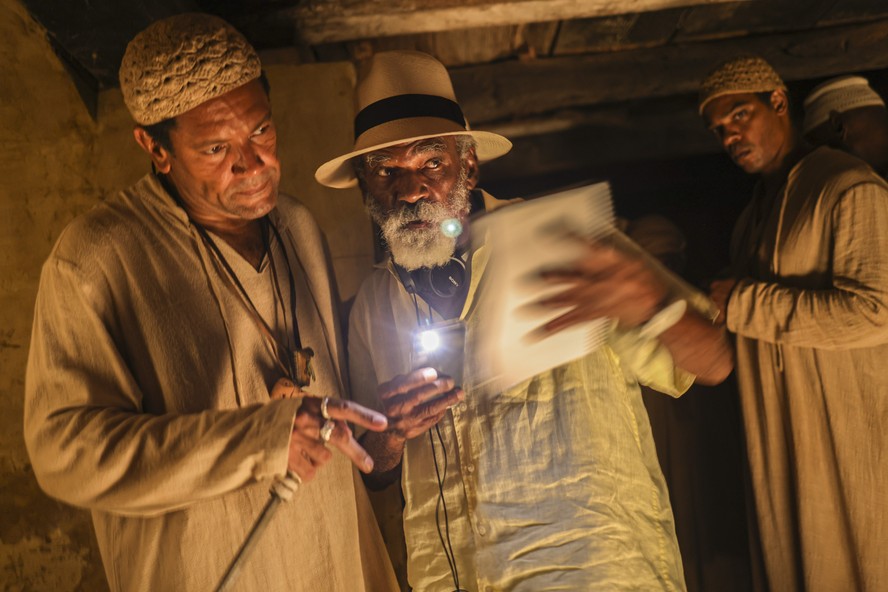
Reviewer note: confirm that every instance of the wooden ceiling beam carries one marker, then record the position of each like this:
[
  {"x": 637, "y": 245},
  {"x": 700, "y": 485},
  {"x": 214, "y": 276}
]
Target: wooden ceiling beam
[
  {"x": 579, "y": 140},
  {"x": 512, "y": 90},
  {"x": 323, "y": 21}
]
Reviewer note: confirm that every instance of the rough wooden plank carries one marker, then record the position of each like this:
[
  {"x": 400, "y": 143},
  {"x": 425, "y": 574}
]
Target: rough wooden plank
[
  {"x": 540, "y": 37},
  {"x": 847, "y": 11},
  {"x": 518, "y": 89},
  {"x": 464, "y": 46},
  {"x": 593, "y": 35},
  {"x": 322, "y": 21},
  {"x": 618, "y": 33},
  {"x": 452, "y": 48},
  {"x": 661, "y": 128},
  {"x": 738, "y": 18}
]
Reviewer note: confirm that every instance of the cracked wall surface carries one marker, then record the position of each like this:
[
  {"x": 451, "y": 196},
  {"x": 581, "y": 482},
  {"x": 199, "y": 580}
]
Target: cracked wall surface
[
  {"x": 46, "y": 147},
  {"x": 55, "y": 163}
]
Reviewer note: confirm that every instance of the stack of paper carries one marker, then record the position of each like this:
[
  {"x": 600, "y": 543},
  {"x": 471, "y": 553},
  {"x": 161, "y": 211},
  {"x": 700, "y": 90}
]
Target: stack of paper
[{"x": 523, "y": 240}]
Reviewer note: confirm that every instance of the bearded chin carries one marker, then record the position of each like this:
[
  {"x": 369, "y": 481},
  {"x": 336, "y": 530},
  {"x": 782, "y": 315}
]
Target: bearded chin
[{"x": 422, "y": 247}]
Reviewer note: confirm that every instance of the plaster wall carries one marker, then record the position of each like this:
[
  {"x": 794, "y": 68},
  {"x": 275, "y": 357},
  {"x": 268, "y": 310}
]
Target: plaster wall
[{"x": 55, "y": 163}]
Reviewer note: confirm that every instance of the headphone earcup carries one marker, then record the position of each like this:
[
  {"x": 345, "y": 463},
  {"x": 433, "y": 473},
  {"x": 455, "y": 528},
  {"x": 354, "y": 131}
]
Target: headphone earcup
[{"x": 444, "y": 281}]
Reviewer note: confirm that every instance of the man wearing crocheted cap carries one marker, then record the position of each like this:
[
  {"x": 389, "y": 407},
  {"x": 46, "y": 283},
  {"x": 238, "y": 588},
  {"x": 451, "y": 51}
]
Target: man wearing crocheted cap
[
  {"x": 808, "y": 302},
  {"x": 184, "y": 334},
  {"x": 846, "y": 113}
]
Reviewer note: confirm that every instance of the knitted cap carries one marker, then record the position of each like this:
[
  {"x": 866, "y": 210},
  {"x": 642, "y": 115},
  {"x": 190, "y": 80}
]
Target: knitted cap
[
  {"x": 839, "y": 94},
  {"x": 181, "y": 62},
  {"x": 746, "y": 74}
]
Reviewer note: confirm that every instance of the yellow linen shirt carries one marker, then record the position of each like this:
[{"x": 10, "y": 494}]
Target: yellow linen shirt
[{"x": 553, "y": 484}]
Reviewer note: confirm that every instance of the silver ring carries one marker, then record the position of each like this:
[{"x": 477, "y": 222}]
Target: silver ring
[
  {"x": 324, "y": 413},
  {"x": 327, "y": 430}
]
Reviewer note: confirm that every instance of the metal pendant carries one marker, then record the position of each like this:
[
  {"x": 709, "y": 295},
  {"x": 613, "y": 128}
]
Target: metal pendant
[{"x": 303, "y": 371}]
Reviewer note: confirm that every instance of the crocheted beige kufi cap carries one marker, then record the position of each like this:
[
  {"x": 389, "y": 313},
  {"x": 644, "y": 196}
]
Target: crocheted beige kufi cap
[
  {"x": 182, "y": 61},
  {"x": 402, "y": 97},
  {"x": 840, "y": 95},
  {"x": 746, "y": 74}
]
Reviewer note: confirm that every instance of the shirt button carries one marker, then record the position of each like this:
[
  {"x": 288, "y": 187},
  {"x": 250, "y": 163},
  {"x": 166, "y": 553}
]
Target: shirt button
[
  {"x": 470, "y": 468},
  {"x": 482, "y": 530},
  {"x": 462, "y": 407}
]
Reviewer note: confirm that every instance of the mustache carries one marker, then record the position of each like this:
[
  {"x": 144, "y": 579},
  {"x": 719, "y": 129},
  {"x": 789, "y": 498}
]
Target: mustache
[
  {"x": 253, "y": 184},
  {"x": 419, "y": 211},
  {"x": 736, "y": 149}
]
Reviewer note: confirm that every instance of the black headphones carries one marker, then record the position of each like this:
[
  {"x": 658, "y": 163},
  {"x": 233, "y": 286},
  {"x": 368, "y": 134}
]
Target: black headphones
[{"x": 443, "y": 281}]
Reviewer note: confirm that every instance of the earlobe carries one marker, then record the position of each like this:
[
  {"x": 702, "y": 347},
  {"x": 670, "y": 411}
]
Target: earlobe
[{"x": 160, "y": 156}]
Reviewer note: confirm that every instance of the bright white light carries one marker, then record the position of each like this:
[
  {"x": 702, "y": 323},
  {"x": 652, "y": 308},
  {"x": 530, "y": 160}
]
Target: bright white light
[
  {"x": 451, "y": 227},
  {"x": 429, "y": 340}
]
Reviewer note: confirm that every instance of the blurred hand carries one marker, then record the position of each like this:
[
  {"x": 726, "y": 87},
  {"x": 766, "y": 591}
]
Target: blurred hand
[
  {"x": 719, "y": 292},
  {"x": 604, "y": 282},
  {"x": 417, "y": 401},
  {"x": 308, "y": 452}
]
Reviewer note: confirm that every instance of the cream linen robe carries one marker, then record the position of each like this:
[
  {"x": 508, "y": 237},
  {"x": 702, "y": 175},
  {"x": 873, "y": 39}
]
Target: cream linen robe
[
  {"x": 551, "y": 485},
  {"x": 147, "y": 403},
  {"x": 812, "y": 347}
]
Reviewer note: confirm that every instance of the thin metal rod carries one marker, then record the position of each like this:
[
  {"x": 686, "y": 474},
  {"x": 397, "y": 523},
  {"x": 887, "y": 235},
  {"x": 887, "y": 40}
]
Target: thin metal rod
[
  {"x": 281, "y": 491},
  {"x": 249, "y": 543}
]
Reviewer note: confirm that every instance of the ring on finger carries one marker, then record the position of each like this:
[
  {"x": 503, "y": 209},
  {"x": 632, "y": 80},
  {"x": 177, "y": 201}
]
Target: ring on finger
[
  {"x": 327, "y": 430},
  {"x": 324, "y": 413}
]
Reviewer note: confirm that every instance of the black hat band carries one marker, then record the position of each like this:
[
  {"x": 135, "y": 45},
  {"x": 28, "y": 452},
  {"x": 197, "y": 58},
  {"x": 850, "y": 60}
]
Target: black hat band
[{"x": 404, "y": 107}]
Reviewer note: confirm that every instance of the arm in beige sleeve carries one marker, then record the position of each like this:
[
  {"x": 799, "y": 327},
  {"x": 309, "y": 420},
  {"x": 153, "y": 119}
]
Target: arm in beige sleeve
[
  {"x": 853, "y": 312},
  {"x": 700, "y": 347},
  {"x": 92, "y": 445},
  {"x": 386, "y": 448}
]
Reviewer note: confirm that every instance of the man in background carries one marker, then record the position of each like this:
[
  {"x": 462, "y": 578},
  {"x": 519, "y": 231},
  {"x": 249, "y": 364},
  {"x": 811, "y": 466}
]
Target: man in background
[
  {"x": 553, "y": 483},
  {"x": 808, "y": 302},
  {"x": 845, "y": 113},
  {"x": 183, "y": 334}
]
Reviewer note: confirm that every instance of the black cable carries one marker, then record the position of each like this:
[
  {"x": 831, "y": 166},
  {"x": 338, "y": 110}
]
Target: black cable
[
  {"x": 448, "y": 548},
  {"x": 416, "y": 308},
  {"x": 444, "y": 504},
  {"x": 447, "y": 545}
]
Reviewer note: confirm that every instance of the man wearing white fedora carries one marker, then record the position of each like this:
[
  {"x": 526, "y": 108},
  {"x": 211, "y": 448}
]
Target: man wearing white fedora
[{"x": 554, "y": 483}]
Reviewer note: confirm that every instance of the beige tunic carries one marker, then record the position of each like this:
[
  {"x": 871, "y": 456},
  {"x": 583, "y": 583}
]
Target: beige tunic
[
  {"x": 812, "y": 348},
  {"x": 147, "y": 403},
  {"x": 551, "y": 485}
]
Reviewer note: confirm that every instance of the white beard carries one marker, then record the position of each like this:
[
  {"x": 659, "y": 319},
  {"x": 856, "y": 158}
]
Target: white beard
[{"x": 422, "y": 247}]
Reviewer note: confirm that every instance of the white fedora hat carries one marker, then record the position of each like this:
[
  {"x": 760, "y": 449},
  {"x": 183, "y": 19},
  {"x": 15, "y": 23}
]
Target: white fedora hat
[{"x": 403, "y": 97}]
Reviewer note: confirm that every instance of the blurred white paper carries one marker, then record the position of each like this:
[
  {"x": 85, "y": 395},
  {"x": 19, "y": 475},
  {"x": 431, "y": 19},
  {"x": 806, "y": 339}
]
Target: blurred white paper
[{"x": 523, "y": 240}]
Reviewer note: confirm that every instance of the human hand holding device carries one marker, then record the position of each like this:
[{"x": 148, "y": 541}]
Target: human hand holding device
[{"x": 417, "y": 401}]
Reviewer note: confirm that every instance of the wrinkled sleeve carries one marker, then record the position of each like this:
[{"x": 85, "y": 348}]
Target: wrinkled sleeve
[
  {"x": 649, "y": 362},
  {"x": 852, "y": 312},
  {"x": 89, "y": 441},
  {"x": 362, "y": 373}
]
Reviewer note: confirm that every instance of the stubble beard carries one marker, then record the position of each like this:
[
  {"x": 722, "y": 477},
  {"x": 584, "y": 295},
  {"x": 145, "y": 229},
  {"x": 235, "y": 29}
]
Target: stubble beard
[
  {"x": 414, "y": 248},
  {"x": 258, "y": 208}
]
